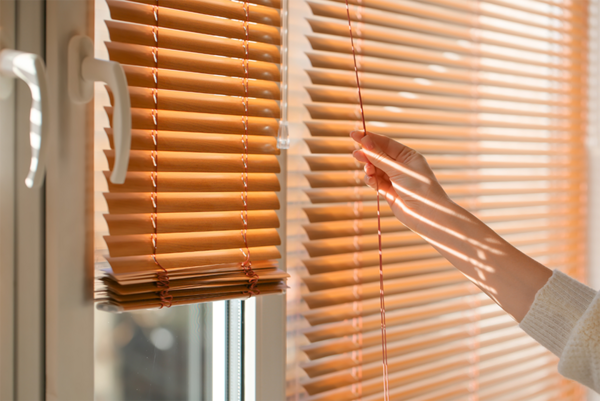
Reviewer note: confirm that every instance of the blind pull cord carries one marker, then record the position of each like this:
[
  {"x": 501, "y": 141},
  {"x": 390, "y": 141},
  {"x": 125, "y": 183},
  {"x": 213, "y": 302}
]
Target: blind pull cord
[
  {"x": 381, "y": 292},
  {"x": 247, "y": 263},
  {"x": 162, "y": 276}
]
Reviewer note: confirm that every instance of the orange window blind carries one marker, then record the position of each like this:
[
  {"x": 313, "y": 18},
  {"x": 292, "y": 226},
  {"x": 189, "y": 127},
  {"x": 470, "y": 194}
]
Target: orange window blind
[
  {"x": 196, "y": 217},
  {"x": 493, "y": 93}
]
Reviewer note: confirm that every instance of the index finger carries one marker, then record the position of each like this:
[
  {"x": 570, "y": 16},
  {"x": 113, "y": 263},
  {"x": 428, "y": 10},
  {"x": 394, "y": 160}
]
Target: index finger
[{"x": 393, "y": 149}]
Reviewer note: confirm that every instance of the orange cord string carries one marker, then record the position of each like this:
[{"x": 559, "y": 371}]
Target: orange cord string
[
  {"x": 247, "y": 263},
  {"x": 386, "y": 391},
  {"x": 162, "y": 277}
]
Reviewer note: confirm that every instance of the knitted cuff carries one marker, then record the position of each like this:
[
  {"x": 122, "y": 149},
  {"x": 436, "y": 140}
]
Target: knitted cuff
[{"x": 557, "y": 307}]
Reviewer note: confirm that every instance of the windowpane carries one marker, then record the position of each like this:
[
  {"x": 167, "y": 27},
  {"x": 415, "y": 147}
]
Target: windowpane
[{"x": 154, "y": 354}]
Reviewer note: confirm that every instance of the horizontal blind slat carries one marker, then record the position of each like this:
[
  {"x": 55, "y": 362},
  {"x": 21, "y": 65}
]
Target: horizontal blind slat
[
  {"x": 440, "y": 28},
  {"x": 140, "y": 202},
  {"x": 143, "y": 98},
  {"x": 433, "y": 49},
  {"x": 395, "y": 68},
  {"x": 134, "y": 245},
  {"x": 191, "y": 42},
  {"x": 181, "y": 141},
  {"x": 191, "y": 62},
  {"x": 192, "y": 22},
  {"x": 339, "y": 131},
  {"x": 348, "y": 261},
  {"x": 209, "y": 261},
  {"x": 196, "y": 162},
  {"x": 344, "y": 78},
  {"x": 199, "y": 82},
  {"x": 201, "y": 122},
  {"x": 490, "y": 330},
  {"x": 465, "y": 19},
  {"x": 260, "y": 11},
  {"x": 348, "y": 228},
  {"x": 429, "y": 368},
  {"x": 194, "y": 182},
  {"x": 141, "y": 223}
]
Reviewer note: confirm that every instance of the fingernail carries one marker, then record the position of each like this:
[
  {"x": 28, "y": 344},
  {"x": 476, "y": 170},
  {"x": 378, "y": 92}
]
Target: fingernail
[
  {"x": 367, "y": 143},
  {"x": 356, "y": 135}
]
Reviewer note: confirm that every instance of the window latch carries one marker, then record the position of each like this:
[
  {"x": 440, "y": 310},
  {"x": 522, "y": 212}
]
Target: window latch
[
  {"x": 31, "y": 69},
  {"x": 83, "y": 71}
]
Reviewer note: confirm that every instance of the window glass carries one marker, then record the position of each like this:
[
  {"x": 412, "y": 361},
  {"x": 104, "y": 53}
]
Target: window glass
[{"x": 153, "y": 354}]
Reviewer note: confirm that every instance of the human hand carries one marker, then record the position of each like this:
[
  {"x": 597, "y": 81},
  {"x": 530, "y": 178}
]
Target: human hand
[{"x": 403, "y": 177}]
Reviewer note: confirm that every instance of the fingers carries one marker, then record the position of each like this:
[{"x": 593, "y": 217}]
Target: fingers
[
  {"x": 375, "y": 176},
  {"x": 378, "y": 180},
  {"x": 405, "y": 161},
  {"x": 360, "y": 156},
  {"x": 392, "y": 149},
  {"x": 370, "y": 169}
]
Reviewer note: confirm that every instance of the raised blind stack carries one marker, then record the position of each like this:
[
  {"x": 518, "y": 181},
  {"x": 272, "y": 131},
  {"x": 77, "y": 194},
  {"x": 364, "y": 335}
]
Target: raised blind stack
[{"x": 185, "y": 66}]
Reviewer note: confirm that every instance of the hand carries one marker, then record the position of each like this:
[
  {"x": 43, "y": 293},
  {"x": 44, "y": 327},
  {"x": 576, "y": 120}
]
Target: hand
[{"x": 403, "y": 176}]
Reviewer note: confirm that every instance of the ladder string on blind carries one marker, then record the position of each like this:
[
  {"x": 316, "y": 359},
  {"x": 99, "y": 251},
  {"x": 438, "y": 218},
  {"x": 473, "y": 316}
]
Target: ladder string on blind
[
  {"x": 247, "y": 263},
  {"x": 162, "y": 276}
]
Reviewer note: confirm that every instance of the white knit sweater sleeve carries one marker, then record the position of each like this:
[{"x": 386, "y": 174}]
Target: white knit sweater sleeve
[{"x": 565, "y": 318}]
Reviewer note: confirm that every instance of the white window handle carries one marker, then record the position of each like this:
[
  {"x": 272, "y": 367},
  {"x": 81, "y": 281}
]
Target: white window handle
[
  {"x": 84, "y": 70},
  {"x": 30, "y": 68}
]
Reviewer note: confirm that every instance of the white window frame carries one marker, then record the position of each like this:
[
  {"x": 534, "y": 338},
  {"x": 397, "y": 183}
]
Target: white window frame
[
  {"x": 69, "y": 267},
  {"x": 21, "y": 220},
  {"x": 7, "y": 216}
]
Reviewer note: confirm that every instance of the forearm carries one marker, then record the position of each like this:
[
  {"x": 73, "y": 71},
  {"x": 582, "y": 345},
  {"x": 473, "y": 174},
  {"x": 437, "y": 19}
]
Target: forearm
[{"x": 506, "y": 274}]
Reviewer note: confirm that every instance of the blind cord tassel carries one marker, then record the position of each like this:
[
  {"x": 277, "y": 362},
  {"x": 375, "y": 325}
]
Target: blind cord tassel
[{"x": 386, "y": 393}]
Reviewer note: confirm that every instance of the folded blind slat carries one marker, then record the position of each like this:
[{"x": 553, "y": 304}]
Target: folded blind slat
[
  {"x": 196, "y": 217},
  {"x": 492, "y": 92}
]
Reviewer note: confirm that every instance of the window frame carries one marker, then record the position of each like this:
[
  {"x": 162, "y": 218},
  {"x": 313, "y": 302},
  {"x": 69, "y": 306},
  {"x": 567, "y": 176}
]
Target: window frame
[
  {"x": 21, "y": 220},
  {"x": 593, "y": 148},
  {"x": 7, "y": 219}
]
